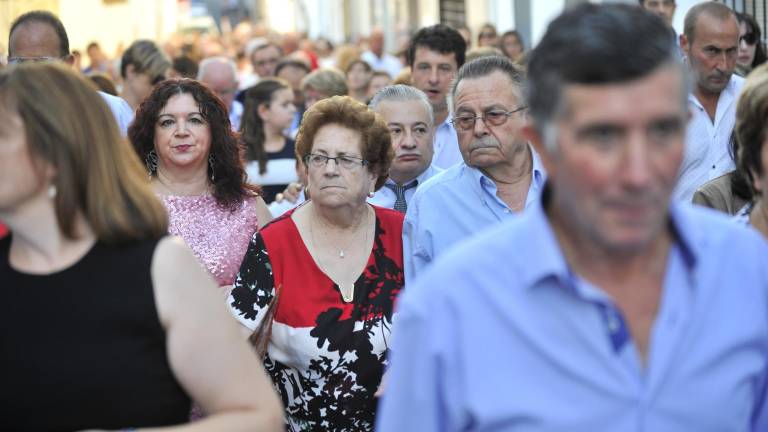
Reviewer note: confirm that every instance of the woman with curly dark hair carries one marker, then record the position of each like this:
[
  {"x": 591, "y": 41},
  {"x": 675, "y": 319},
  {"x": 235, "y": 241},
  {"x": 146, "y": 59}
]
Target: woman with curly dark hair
[{"x": 183, "y": 135}]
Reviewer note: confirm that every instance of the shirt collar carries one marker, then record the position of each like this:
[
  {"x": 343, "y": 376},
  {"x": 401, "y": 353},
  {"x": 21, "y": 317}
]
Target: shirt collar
[
  {"x": 538, "y": 175},
  {"x": 729, "y": 92},
  {"x": 421, "y": 178},
  {"x": 545, "y": 259}
]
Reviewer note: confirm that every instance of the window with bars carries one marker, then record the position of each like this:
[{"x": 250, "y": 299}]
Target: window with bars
[{"x": 752, "y": 7}]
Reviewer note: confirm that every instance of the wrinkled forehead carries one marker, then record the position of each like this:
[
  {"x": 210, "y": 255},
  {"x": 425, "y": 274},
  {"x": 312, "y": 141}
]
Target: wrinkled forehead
[
  {"x": 493, "y": 89},
  {"x": 409, "y": 111}
]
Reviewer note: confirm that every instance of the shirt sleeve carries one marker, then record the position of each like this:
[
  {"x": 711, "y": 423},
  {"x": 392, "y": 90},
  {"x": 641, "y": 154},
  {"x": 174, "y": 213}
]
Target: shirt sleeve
[
  {"x": 417, "y": 253},
  {"x": 254, "y": 285},
  {"x": 423, "y": 387}
]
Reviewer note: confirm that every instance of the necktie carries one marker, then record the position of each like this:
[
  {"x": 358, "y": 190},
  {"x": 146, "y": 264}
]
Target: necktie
[{"x": 400, "y": 204}]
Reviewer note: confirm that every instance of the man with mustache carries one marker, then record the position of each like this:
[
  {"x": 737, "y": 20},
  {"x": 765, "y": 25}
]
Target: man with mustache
[
  {"x": 500, "y": 174},
  {"x": 605, "y": 306},
  {"x": 710, "y": 41},
  {"x": 408, "y": 115}
]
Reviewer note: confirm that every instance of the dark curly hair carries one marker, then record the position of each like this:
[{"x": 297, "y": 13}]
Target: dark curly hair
[
  {"x": 376, "y": 144},
  {"x": 439, "y": 38},
  {"x": 230, "y": 186}
]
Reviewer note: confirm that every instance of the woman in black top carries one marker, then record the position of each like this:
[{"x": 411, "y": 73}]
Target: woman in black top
[{"x": 104, "y": 322}]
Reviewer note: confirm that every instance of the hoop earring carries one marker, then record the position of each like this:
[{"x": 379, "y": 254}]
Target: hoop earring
[
  {"x": 210, "y": 165},
  {"x": 151, "y": 162}
]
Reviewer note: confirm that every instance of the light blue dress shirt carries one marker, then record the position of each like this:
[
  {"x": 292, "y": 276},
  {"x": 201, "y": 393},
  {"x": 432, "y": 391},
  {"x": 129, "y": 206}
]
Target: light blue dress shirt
[
  {"x": 446, "y": 144},
  {"x": 451, "y": 206},
  {"x": 121, "y": 110},
  {"x": 236, "y": 115},
  {"x": 500, "y": 335},
  {"x": 385, "y": 197}
]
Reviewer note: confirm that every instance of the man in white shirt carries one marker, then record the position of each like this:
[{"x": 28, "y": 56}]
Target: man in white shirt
[
  {"x": 435, "y": 54},
  {"x": 408, "y": 115},
  {"x": 710, "y": 41}
]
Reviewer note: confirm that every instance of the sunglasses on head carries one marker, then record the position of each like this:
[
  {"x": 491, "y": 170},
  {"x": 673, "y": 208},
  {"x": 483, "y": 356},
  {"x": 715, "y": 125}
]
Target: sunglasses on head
[{"x": 748, "y": 38}]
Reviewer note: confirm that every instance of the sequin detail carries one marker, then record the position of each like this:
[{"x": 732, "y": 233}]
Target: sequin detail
[{"x": 217, "y": 236}]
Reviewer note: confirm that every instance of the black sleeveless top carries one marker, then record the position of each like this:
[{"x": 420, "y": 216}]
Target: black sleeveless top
[{"x": 83, "y": 347}]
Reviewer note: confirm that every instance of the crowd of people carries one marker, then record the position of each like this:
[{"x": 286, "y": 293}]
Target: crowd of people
[{"x": 266, "y": 232}]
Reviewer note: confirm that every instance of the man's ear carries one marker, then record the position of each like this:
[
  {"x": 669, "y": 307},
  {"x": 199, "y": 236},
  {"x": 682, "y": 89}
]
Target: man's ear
[
  {"x": 69, "y": 59},
  {"x": 684, "y": 45},
  {"x": 534, "y": 136}
]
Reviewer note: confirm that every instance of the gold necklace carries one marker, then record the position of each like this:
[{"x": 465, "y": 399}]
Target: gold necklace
[{"x": 347, "y": 291}]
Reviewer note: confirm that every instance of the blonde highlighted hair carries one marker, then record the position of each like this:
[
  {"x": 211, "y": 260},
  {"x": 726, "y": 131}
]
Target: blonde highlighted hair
[{"x": 69, "y": 128}]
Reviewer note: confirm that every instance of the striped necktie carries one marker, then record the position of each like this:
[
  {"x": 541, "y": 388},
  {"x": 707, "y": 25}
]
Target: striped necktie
[{"x": 400, "y": 204}]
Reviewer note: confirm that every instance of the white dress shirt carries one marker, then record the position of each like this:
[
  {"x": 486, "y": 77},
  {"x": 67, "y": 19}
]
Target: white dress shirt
[{"x": 706, "y": 143}]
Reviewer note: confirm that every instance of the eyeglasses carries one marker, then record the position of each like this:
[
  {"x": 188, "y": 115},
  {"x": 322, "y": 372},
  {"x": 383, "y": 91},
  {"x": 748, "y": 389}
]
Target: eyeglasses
[
  {"x": 346, "y": 162},
  {"x": 748, "y": 38},
  {"x": 493, "y": 118},
  {"x": 487, "y": 35},
  {"x": 19, "y": 60}
]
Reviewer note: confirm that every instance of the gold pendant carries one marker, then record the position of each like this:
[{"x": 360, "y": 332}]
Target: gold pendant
[{"x": 347, "y": 293}]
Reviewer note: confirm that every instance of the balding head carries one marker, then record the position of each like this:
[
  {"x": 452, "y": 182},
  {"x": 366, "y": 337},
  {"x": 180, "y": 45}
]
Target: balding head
[
  {"x": 220, "y": 75},
  {"x": 718, "y": 11},
  {"x": 38, "y": 35}
]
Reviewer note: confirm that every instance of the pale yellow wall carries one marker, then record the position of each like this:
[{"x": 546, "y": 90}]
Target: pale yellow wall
[
  {"x": 10, "y": 9},
  {"x": 114, "y": 22},
  {"x": 108, "y": 22}
]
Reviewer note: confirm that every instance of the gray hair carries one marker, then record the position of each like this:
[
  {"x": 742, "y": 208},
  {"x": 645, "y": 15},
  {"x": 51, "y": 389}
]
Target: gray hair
[
  {"x": 484, "y": 66},
  {"x": 207, "y": 62},
  {"x": 402, "y": 93}
]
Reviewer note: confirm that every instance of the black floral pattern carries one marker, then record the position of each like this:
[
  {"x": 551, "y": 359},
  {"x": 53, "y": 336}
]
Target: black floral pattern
[{"x": 336, "y": 391}]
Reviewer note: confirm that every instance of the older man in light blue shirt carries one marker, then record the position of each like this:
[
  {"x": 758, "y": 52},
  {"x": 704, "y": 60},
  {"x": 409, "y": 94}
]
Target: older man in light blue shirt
[
  {"x": 602, "y": 308},
  {"x": 500, "y": 176}
]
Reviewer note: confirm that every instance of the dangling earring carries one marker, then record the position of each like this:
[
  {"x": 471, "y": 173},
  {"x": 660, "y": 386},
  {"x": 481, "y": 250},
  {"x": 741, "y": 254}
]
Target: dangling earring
[
  {"x": 210, "y": 164},
  {"x": 52, "y": 191},
  {"x": 151, "y": 162}
]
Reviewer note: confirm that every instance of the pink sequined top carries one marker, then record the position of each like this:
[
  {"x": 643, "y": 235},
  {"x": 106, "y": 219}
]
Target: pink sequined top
[{"x": 218, "y": 237}]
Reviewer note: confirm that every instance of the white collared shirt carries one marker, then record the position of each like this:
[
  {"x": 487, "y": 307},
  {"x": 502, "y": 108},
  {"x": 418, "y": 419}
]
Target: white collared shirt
[
  {"x": 385, "y": 197},
  {"x": 707, "y": 143}
]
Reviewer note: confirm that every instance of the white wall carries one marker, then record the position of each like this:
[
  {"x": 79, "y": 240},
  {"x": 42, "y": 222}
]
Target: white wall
[{"x": 542, "y": 13}]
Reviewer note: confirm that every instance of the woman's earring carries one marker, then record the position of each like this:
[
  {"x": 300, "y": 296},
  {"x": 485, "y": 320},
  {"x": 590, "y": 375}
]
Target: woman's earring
[
  {"x": 371, "y": 194},
  {"x": 52, "y": 191},
  {"x": 151, "y": 162},
  {"x": 210, "y": 164}
]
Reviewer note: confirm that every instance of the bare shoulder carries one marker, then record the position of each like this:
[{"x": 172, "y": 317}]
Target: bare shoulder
[
  {"x": 178, "y": 277},
  {"x": 263, "y": 214}
]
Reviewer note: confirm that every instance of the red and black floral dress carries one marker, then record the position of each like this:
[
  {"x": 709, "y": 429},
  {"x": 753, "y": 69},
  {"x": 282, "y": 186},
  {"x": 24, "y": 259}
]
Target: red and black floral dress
[{"x": 326, "y": 357}]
